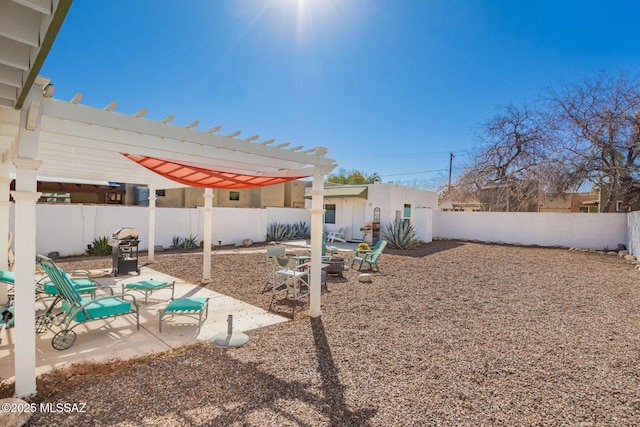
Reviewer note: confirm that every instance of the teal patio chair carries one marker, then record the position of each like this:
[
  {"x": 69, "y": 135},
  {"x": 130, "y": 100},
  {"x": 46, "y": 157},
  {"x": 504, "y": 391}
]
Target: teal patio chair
[
  {"x": 370, "y": 257},
  {"x": 327, "y": 251},
  {"x": 77, "y": 310}
]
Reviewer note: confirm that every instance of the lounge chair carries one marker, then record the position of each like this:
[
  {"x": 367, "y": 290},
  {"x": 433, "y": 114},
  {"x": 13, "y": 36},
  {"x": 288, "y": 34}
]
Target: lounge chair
[
  {"x": 370, "y": 257},
  {"x": 78, "y": 310}
]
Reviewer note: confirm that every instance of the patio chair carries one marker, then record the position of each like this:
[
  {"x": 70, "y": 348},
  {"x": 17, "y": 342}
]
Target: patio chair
[
  {"x": 272, "y": 267},
  {"x": 336, "y": 235},
  {"x": 327, "y": 251},
  {"x": 290, "y": 277},
  {"x": 77, "y": 310},
  {"x": 370, "y": 257},
  {"x": 84, "y": 284}
]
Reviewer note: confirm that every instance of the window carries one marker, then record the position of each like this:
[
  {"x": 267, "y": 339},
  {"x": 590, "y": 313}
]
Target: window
[
  {"x": 619, "y": 206},
  {"x": 588, "y": 209},
  {"x": 50, "y": 197},
  {"x": 234, "y": 195},
  {"x": 330, "y": 214},
  {"x": 406, "y": 214},
  {"x": 161, "y": 193}
]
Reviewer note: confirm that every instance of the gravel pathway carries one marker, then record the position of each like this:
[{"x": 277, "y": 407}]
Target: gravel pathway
[{"x": 454, "y": 333}]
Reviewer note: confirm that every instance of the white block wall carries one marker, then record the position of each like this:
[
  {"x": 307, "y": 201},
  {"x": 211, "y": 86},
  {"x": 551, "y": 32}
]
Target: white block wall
[
  {"x": 68, "y": 229},
  {"x": 589, "y": 231}
]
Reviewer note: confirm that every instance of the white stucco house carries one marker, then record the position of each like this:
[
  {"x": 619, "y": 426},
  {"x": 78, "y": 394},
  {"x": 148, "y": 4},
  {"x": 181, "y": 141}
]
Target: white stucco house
[{"x": 353, "y": 206}]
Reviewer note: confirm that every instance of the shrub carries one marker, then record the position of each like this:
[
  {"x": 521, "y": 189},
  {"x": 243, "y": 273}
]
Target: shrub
[
  {"x": 400, "y": 234},
  {"x": 277, "y": 232},
  {"x": 202, "y": 245},
  {"x": 184, "y": 242},
  {"x": 100, "y": 246}
]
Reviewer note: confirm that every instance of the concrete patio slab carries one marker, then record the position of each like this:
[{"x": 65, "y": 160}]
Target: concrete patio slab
[{"x": 118, "y": 338}]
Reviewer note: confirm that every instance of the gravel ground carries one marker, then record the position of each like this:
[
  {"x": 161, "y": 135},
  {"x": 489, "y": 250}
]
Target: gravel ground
[{"x": 454, "y": 333}]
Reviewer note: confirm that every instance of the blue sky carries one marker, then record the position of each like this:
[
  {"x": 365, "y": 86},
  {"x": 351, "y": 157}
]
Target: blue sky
[{"x": 388, "y": 86}]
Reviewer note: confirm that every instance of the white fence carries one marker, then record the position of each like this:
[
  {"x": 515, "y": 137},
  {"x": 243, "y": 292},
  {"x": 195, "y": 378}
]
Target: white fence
[
  {"x": 68, "y": 229},
  {"x": 589, "y": 231},
  {"x": 633, "y": 232}
]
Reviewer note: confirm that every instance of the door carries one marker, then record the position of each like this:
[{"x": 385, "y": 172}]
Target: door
[{"x": 358, "y": 220}]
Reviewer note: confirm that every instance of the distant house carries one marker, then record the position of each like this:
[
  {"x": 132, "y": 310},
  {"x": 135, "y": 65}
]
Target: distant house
[
  {"x": 86, "y": 192},
  {"x": 457, "y": 201},
  {"x": 352, "y": 207},
  {"x": 570, "y": 203},
  {"x": 288, "y": 195}
]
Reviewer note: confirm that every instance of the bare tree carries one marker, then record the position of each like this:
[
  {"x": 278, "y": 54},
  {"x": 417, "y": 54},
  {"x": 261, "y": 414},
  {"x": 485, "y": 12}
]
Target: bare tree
[
  {"x": 513, "y": 148},
  {"x": 597, "y": 125},
  {"x": 582, "y": 132}
]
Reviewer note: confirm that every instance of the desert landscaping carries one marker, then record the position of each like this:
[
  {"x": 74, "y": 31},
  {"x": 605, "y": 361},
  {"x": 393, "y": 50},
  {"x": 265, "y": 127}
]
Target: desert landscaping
[{"x": 451, "y": 333}]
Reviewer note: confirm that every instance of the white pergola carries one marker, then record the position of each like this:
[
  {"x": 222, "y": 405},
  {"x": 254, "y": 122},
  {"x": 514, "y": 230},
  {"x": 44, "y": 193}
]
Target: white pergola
[{"x": 45, "y": 137}]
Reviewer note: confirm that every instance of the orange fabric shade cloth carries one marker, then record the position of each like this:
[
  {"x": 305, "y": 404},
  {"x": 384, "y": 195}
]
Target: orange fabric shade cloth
[{"x": 206, "y": 178}]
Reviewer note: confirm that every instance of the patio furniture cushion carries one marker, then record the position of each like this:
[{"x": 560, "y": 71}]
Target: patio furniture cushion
[
  {"x": 149, "y": 286},
  {"x": 104, "y": 307},
  {"x": 188, "y": 306},
  {"x": 8, "y": 277},
  {"x": 83, "y": 286}
]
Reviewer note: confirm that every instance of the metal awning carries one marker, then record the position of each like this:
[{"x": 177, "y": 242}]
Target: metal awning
[{"x": 337, "y": 192}]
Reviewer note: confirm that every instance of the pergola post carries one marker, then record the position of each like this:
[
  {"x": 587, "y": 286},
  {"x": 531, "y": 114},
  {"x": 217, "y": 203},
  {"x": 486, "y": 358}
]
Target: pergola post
[
  {"x": 5, "y": 183},
  {"x": 317, "y": 211},
  {"x": 25, "y": 197},
  {"x": 152, "y": 224},
  {"x": 206, "y": 238}
]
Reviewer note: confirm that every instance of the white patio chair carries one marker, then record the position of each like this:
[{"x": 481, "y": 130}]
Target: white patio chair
[
  {"x": 336, "y": 235},
  {"x": 272, "y": 267}
]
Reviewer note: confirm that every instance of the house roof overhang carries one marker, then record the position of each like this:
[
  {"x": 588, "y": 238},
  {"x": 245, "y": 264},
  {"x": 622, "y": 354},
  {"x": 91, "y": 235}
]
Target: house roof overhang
[{"x": 337, "y": 192}]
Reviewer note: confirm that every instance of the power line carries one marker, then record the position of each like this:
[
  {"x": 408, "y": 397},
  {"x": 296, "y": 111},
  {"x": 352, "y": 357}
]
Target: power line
[{"x": 413, "y": 173}]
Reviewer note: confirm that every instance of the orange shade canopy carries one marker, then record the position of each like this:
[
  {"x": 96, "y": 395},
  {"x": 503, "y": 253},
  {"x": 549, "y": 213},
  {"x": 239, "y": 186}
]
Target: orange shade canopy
[{"x": 194, "y": 176}]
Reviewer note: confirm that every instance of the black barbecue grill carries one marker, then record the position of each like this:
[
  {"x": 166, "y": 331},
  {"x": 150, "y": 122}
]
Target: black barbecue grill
[{"x": 125, "y": 250}]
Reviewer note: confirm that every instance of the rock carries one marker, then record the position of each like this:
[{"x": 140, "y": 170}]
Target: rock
[
  {"x": 612, "y": 253},
  {"x": 365, "y": 278},
  {"x": 15, "y": 418},
  {"x": 158, "y": 248},
  {"x": 54, "y": 254},
  {"x": 247, "y": 242},
  {"x": 630, "y": 257},
  {"x": 601, "y": 252}
]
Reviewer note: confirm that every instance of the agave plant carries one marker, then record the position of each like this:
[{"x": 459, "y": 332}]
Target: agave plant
[
  {"x": 176, "y": 242},
  {"x": 304, "y": 230},
  {"x": 400, "y": 234},
  {"x": 276, "y": 232},
  {"x": 100, "y": 246},
  {"x": 190, "y": 242}
]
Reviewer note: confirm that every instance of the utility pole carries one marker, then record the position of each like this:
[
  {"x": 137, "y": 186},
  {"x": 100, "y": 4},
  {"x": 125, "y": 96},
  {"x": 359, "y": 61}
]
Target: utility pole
[{"x": 451, "y": 157}]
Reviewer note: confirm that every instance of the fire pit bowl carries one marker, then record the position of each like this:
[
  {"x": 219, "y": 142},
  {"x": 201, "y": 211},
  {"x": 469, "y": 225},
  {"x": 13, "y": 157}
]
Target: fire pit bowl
[{"x": 335, "y": 267}]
